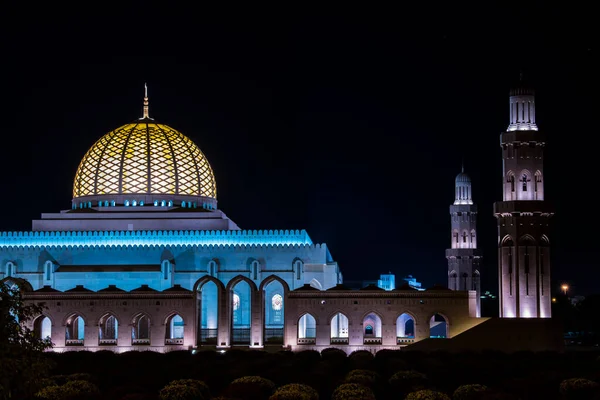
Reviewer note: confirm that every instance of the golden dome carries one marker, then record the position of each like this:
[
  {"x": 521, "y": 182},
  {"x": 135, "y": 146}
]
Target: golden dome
[{"x": 144, "y": 158}]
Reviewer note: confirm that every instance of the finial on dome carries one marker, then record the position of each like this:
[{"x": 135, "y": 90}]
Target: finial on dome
[
  {"x": 462, "y": 165},
  {"x": 146, "y": 113}
]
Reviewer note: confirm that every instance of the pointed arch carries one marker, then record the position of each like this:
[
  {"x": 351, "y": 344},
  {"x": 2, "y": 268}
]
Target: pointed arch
[
  {"x": 108, "y": 328},
  {"x": 74, "y": 313},
  {"x": 140, "y": 328},
  {"x": 527, "y": 240},
  {"x": 307, "y": 328},
  {"x": 439, "y": 329},
  {"x": 406, "y": 325},
  {"x": 544, "y": 241},
  {"x": 237, "y": 279},
  {"x": 372, "y": 324},
  {"x": 42, "y": 326},
  {"x": 208, "y": 278},
  {"x": 271, "y": 278},
  {"x": 409, "y": 313},
  {"x": 314, "y": 282},
  {"x": 507, "y": 241},
  {"x": 336, "y": 312}
]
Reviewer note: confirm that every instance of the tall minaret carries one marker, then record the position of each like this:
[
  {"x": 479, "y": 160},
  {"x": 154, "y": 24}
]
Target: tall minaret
[
  {"x": 523, "y": 215},
  {"x": 463, "y": 257}
]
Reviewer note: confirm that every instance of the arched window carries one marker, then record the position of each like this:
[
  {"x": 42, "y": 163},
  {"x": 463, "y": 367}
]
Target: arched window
[
  {"x": 10, "y": 269},
  {"x": 163, "y": 203},
  {"x": 170, "y": 203},
  {"x": 155, "y": 203},
  {"x": 307, "y": 329},
  {"x": 339, "y": 328},
  {"x": 126, "y": 203},
  {"x": 42, "y": 327},
  {"x": 524, "y": 182},
  {"x": 48, "y": 270},
  {"x": 511, "y": 181},
  {"x": 174, "y": 334},
  {"x": 75, "y": 330},
  {"x": 254, "y": 266},
  {"x": 298, "y": 268},
  {"x": 108, "y": 329},
  {"x": 166, "y": 269},
  {"x": 276, "y": 302},
  {"x": 141, "y": 203},
  {"x": 212, "y": 268},
  {"x": 438, "y": 326},
  {"x": 134, "y": 203},
  {"x": 369, "y": 330},
  {"x": 183, "y": 204},
  {"x": 113, "y": 203},
  {"x": 405, "y": 327},
  {"x": 140, "y": 332}
]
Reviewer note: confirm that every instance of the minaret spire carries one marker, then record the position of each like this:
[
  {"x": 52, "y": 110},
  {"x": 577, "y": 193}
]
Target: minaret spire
[
  {"x": 146, "y": 113},
  {"x": 462, "y": 165}
]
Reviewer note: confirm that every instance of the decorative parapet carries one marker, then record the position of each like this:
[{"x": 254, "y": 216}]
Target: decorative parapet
[{"x": 155, "y": 238}]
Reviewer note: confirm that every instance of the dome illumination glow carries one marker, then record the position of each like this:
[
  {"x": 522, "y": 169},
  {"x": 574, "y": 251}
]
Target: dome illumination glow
[{"x": 144, "y": 158}]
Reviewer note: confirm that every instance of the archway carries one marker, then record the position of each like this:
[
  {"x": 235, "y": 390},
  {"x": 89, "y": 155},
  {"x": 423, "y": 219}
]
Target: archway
[
  {"x": 339, "y": 329},
  {"x": 405, "y": 327},
  {"x": 241, "y": 309},
  {"x": 307, "y": 329},
  {"x": 108, "y": 329},
  {"x": 175, "y": 330},
  {"x": 42, "y": 327},
  {"x": 372, "y": 329},
  {"x": 140, "y": 331},
  {"x": 438, "y": 326},
  {"x": 75, "y": 330},
  {"x": 209, "y": 313},
  {"x": 274, "y": 312}
]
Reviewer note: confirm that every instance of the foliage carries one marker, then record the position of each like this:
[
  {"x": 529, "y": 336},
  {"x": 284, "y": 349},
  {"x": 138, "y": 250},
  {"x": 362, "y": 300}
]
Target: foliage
[
  {"x": 72, "y": 390},
  {"x": 363, "y": 377},
  {"x": 427, "y": 395},
  {"x": 200, "y": 385},
  {"x": 185, "y": 389},
  {"x": 404, "y": 382},
  {"x": 21, "y": 353},
  {"x": 361, "y": 359},
  {"x": 469, "y": 392},
  {"x": 250, "y": 388},
  {"x": 352, "y": 391},
  {"x": 578, "y": 388},
  {"x": 295, "y": 391}
]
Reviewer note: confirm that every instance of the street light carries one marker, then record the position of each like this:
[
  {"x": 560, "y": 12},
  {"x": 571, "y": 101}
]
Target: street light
[{"x": 564, "y": 288}]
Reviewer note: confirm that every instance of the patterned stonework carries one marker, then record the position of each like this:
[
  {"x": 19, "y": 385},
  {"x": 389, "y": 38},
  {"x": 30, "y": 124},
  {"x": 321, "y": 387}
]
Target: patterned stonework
[{"x": 144, "y": 158}]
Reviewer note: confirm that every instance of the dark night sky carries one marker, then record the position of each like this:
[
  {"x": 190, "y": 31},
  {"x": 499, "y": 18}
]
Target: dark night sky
[{"x": 351, "y": 125}]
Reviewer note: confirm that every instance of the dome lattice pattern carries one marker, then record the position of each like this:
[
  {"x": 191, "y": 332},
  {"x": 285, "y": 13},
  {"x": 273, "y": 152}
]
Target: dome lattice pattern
[{"x": 144, "y": 158}]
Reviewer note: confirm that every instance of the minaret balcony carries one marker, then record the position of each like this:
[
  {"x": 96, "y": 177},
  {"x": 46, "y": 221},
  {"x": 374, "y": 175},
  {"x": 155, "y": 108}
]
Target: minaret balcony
[{"x": 518, "y": 207}]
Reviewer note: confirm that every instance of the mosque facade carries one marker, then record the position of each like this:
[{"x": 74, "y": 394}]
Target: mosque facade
[{"x": 145, "y": 260}]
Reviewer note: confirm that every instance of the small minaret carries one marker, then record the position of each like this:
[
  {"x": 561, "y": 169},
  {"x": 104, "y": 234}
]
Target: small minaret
[
  {"x": 463, "y": 256},
  {"x": 523, "y": 215}
]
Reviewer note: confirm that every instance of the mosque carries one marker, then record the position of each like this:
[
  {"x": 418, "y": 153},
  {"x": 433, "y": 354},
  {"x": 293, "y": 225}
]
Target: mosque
[{"x": 145, "y": 260}]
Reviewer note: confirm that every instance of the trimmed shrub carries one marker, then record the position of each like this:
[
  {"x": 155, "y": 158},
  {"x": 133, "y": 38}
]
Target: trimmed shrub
[
  {"x": 250, "y": 388},
  {"x": 352, "y": 391},
  {"x": 578, "y": 388},
  {"x": 295, "y": 391},
  {"x": 469, "y": 392},
  {"x": 180, "y": 392},
  {"x": 427, "y": 395},
  {"x": 361, "y": 359},
  {"x": 404, "y": 382},
  {"x": 363, "y": 377},
  {"x": 72, "y": 390}
]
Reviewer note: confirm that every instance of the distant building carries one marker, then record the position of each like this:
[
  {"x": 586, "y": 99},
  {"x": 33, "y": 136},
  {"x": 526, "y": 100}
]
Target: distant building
[
  {"x": 387, "y": 281},
  {"x": 412, "y": 282}
]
